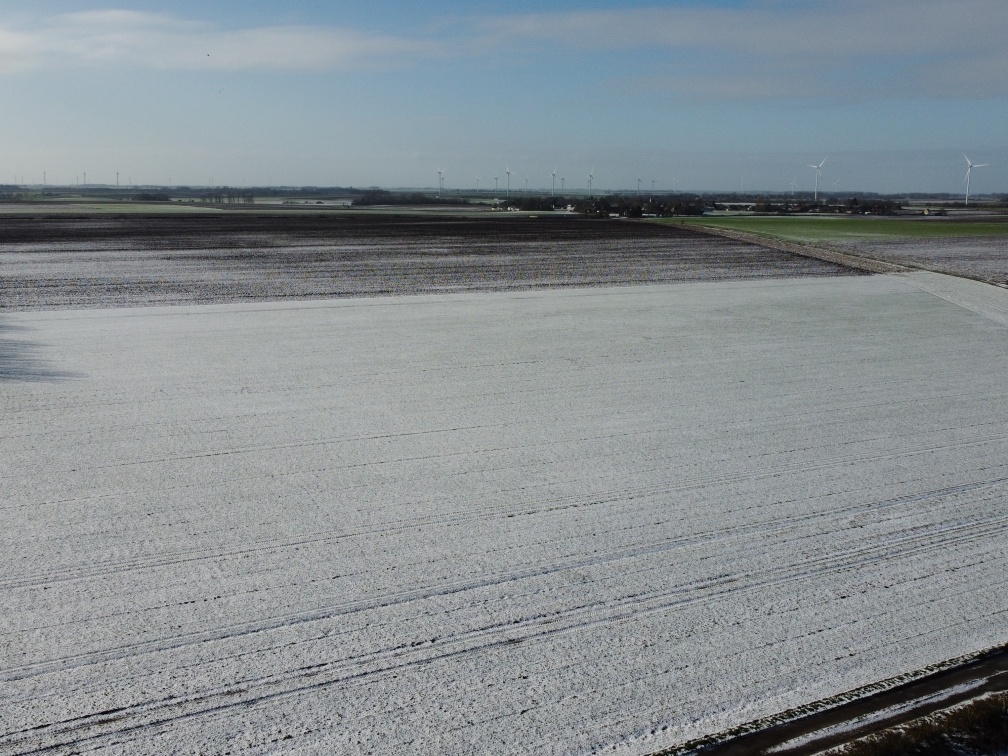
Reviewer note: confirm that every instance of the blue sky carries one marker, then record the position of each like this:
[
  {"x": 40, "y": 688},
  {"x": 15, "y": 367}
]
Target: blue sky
[{"x": 708, "y": 95}]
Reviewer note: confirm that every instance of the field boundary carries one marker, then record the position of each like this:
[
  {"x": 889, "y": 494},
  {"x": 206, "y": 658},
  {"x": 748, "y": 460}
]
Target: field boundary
[
  {"x": 808, "y": 729},
  {"x": 805, "y": 249}
]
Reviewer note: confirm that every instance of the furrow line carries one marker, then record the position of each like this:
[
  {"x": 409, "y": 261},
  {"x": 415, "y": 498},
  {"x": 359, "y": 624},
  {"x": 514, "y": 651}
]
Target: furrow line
[
  {"x": 467, "y": 516},
  {"x": 482, "y": 640}
]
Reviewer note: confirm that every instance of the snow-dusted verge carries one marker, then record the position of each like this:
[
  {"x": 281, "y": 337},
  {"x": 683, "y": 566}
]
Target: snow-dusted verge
[
  {"x": 541, "y": 522},
  {"x": 881, "y": 716}
]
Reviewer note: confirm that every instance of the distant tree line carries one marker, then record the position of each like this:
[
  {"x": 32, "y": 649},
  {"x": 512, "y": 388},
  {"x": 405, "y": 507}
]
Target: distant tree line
[
  {"x": 873, "y": 205},
  {"x": 533, "y": 202},
  {"x": 384, "y": 197},
  {"x": 636, "y": 207},
  {"x": 228, "y": 196}
]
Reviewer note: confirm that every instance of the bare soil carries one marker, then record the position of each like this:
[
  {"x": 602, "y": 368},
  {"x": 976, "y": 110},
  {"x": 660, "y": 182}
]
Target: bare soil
[{"x": 88, "y": 261}]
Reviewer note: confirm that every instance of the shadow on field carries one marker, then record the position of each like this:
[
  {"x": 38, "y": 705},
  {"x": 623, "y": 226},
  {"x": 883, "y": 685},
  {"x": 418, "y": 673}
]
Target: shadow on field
[{"x": 22, "y": 360}]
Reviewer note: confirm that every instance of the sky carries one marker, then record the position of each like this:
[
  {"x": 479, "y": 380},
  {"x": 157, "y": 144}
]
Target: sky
[{"x": 697, "y": 95}]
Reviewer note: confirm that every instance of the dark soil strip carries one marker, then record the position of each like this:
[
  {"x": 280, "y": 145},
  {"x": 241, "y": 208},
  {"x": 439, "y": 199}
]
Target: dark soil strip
[
  {"x": 976, "y": 727},
  {"x": 58, "y": 262},
  {"x": 990, "y": 669}
]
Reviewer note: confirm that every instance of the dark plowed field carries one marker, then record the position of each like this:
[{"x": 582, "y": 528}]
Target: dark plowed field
[{"x": 50, "y": 262}]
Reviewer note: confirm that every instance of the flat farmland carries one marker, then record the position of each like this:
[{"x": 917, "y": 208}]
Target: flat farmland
[
  {"x": 538, "y": 520},
  {"x": 984, "y": 258},
  {"x": 56, "y": 261},
  {"x": 961, "y": 246}
]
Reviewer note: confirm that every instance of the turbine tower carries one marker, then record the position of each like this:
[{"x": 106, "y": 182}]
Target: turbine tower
[
  {"x": 590, "y": 177},
  {"x": 553, "y": 190},
  {"x": 507, "y": 170},
  {"x": 818, "y": 174},
  {"x": 495, "y": 186},
  {"x": 440, "y": 179},
  {"x": 793, "y": 182},
  {"x": 477, "y": 185},
  {"x": 969, "y": 169}
]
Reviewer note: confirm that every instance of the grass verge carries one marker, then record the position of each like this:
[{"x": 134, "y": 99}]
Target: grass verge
[{"x": 977, "y": 727}]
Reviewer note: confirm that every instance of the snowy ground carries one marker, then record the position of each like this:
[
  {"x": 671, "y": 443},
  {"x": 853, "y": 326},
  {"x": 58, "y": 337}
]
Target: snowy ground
[
  {"x": 52, "y": 262},
  {"x": 983, "y": 257},
  {"x": 548, "y": 521}
]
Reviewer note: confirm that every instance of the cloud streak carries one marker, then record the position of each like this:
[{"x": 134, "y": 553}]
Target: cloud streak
[
  {"x": 771, "y": 49},
  {"x": 859, "y": 48},
  {"x": 157, "y": 41}
]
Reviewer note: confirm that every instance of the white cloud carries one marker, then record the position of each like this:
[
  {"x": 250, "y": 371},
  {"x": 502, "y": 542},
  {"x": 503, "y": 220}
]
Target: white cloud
[
  {"x": 773, "y": 49},
  {"x": 764, "y": 49},
  {"x": 855, "y": 27},
  {"x": 165, "y": 42}
]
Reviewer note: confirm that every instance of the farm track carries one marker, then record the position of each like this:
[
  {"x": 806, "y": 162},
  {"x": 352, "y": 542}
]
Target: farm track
[
  {"x": 983, "y": 259},
  {"x": 815, "y": 250},
  {"x": 547, "y": 521}
]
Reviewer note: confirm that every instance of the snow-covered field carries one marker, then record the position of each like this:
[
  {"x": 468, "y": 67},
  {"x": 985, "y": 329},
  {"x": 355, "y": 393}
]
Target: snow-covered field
[
  {"x": 537, "y": 522},
  {"x": 982, "y": 257}
]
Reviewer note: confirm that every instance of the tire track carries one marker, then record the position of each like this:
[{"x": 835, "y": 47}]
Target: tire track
[
  {"x": 496, "y": 579},
  {"x": 528, "y": 507},
  {"x": 483, "y": 640}
]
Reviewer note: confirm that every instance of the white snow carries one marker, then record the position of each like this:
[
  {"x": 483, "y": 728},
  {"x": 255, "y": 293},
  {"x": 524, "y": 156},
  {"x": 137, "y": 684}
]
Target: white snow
[{"x": 541, "y": 522}]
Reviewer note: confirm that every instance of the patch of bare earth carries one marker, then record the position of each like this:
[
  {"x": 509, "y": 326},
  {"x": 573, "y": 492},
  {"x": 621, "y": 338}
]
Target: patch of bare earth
[{"x": 50, "y": 262}]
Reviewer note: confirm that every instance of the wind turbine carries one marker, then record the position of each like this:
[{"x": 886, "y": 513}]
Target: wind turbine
[
  {"x": 793, "y": 182},
  {"x": 638, "y": 186},
  {"x": 818, "y": 173},
  {"x": 590, "y": 177},
  {"x": 477, "y": 185},
  {"x": 440, "y": 177},
  {"x": 507, "y": 170},
  {"x": 969, "y": 169},
  {"x": 495, "y": 185},
  {"x": 561, "y": 185},
  {"x": 553, "y": 190}
]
